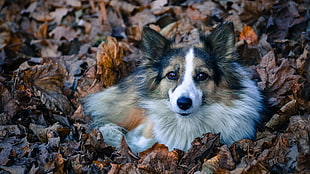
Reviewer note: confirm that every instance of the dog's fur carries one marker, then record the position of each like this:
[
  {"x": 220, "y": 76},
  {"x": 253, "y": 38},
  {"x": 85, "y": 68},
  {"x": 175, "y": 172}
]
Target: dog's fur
[{"x": 179, "y": 93}]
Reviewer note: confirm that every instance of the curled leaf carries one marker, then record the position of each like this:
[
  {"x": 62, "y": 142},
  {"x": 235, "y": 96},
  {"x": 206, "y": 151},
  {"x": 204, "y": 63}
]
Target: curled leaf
[
  {"x": 47, "y": 82},
  {"x": 110, "y": 65}
]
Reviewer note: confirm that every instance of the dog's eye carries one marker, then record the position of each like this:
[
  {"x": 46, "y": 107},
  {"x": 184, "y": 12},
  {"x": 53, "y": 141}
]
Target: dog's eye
[
  {"x": 202, "y": 76},
  {"x": 172, "y": 75}
]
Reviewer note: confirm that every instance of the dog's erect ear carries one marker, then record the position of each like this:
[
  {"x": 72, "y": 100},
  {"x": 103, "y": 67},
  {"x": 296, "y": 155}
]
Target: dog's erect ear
[
  {"x": 153, "y": 43},
  {"x": 221, "y": 42}
]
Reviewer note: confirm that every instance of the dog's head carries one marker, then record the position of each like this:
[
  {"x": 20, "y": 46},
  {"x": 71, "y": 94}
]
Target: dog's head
[{"x": 191, "y": 76}]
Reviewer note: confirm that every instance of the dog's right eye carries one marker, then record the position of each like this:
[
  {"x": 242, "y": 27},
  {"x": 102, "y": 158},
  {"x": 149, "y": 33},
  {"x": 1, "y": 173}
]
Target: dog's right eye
[{"x": 172, "y": 75}]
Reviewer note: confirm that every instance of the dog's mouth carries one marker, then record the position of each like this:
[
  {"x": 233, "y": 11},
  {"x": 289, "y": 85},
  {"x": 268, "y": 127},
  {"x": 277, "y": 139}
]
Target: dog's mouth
[{"x": 184, "y": 114}]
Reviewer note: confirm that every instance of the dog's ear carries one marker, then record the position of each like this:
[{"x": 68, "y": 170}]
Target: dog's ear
[
  {"x": 221, "y": 42},
  {"x": 153, "y": 43}
]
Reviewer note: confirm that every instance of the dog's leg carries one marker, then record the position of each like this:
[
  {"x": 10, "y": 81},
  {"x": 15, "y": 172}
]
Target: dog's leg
[
  {"x": 137, "y": 139},
  {"x": 112, "y": 134}
]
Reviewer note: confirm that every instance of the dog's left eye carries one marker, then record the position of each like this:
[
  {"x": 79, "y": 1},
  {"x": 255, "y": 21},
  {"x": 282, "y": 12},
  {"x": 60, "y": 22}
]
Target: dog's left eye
[
  {"x": 201, "y": 76},
  {"x": 172, "y": 75}
]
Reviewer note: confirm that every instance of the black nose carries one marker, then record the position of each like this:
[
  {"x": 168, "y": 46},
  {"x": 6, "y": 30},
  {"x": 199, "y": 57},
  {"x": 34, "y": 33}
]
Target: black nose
[{"x": 184, "y": 103}]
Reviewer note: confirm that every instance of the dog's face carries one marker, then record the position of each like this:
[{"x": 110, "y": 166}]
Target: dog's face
[{"x": 191, "y": 76}]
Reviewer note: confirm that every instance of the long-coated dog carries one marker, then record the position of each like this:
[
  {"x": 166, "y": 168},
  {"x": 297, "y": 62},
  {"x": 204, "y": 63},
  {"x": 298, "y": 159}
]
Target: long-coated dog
[{"x": 180, "y": 92}]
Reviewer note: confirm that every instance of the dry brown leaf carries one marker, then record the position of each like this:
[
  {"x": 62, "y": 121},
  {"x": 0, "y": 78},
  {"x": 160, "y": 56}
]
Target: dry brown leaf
[
  {"x": 125, "y": 154},
  {"x": 263, "y": 46},
  {"x": 283, "y": 21},
  {"x": 10, "y": 41},
  {"x": 303, "y": 62},
  {"x": 5, "y": 152},
  {"x": 278, "y": 81},
  {"x": 40, "y": 14},
  {"x": 211, "y": 165},
  {"x": 126, "y": 7},
  {"x": 160, "y": 159},
  {"x": 63, "y": 32},
  {"x": 248, "y": 34},
  {"x": 8, "y": 105},
  {"x": 158, "y": 4},
  {"x": 249, "y": 54},
  {"x": 142, "y": 18},
  {"x": 202, "y": 148},
  {"x": 46, "y": 48},
  {"x": 124, "y": 168},
  {"x": 194, "y": 14},
  {"x": 43, "y": 132},
  {"x": 41, "y": 33},
  {"x": 226, "y": 160},
  {"x": 300, "y": 127},
  {"x": 47, "y": 82},
  {"x": 155, "y": 148},
  {"x": 9, "y": 130},
  {"x": 282, "y": 117},
  {"x": 59, "y": 163},
  {"x": 110, "y": 65},
  {"x": 16, "y": 169},
  {"x": 59, "y": 13},
  {"x": 74, "y": 3},
  {"x": 250, "y": 11}
]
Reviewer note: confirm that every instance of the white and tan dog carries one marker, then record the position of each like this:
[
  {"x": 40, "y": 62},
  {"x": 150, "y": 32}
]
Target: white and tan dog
[{"x": 179, "y": 93}]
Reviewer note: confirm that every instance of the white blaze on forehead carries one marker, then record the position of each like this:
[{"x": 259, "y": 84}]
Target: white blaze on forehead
[
  {"x": 189, "y": 66},
  {"x": 187, "y": 88}
]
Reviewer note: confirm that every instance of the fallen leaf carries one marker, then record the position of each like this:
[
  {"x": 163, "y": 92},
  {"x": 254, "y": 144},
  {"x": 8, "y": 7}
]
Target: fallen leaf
[
  {"x": 251, "y": 11},
  {"x": 9, "y": 130},
  {"x": 157, "y": 4},
  {"x": 226, "y": 160},
  {"x": 8, "y": 105},
  {"x": 47, "y": 48},
  {"x": 43, "y": 132},
  {"x": 60, "y": 164},
  {"x": 63, "y": 32},
  {"x": 125, "y": 154},
  {"x": 47, "y": 82},
  {"x": 142, "y": 18},
  {"x": 249, "y": 54},
  {"x": 126, "y": 7},
  {"x": 74, "y": 3},
  {"x": 263, "y": 46},
  {"x": 41, "y": 33},
  {"x": 249, "y": 35},
  {"x": 195, "y": 14},
  {"x": 14, "y": 169},
  {"x": 160, "y": 159},
  {"x": 110, "y": 65},
  {"x": 202, "y": 148},
  {"x": 277, "y": 81},
  {"x": 59, "y": 13},
  {"x": 212, "y": 165},
  {"x": 283, "y": 19},
  {"x": 41, "y": 15},
  {"x": 282, "y": 117},
  {"x": 5, "y": 152}
]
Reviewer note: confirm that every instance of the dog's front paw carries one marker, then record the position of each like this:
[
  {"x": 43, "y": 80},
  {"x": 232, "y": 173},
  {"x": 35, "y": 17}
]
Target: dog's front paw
[
  {"x": 112, "y": 134},
  {"x": 137, "y": 141}
]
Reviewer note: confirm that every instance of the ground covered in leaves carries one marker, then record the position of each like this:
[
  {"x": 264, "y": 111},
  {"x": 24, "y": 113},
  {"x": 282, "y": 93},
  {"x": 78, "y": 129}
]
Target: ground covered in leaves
[{"x": 53, "y": 53}]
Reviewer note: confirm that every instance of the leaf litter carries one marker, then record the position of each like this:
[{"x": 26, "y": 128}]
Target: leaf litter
[{"x": 53, "y": 53}]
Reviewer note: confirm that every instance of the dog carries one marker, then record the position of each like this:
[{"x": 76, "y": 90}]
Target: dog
[{"x": 178, "y": 93}]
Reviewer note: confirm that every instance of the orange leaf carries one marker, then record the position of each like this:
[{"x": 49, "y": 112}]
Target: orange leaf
[{"x": 249, "y": 35}]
